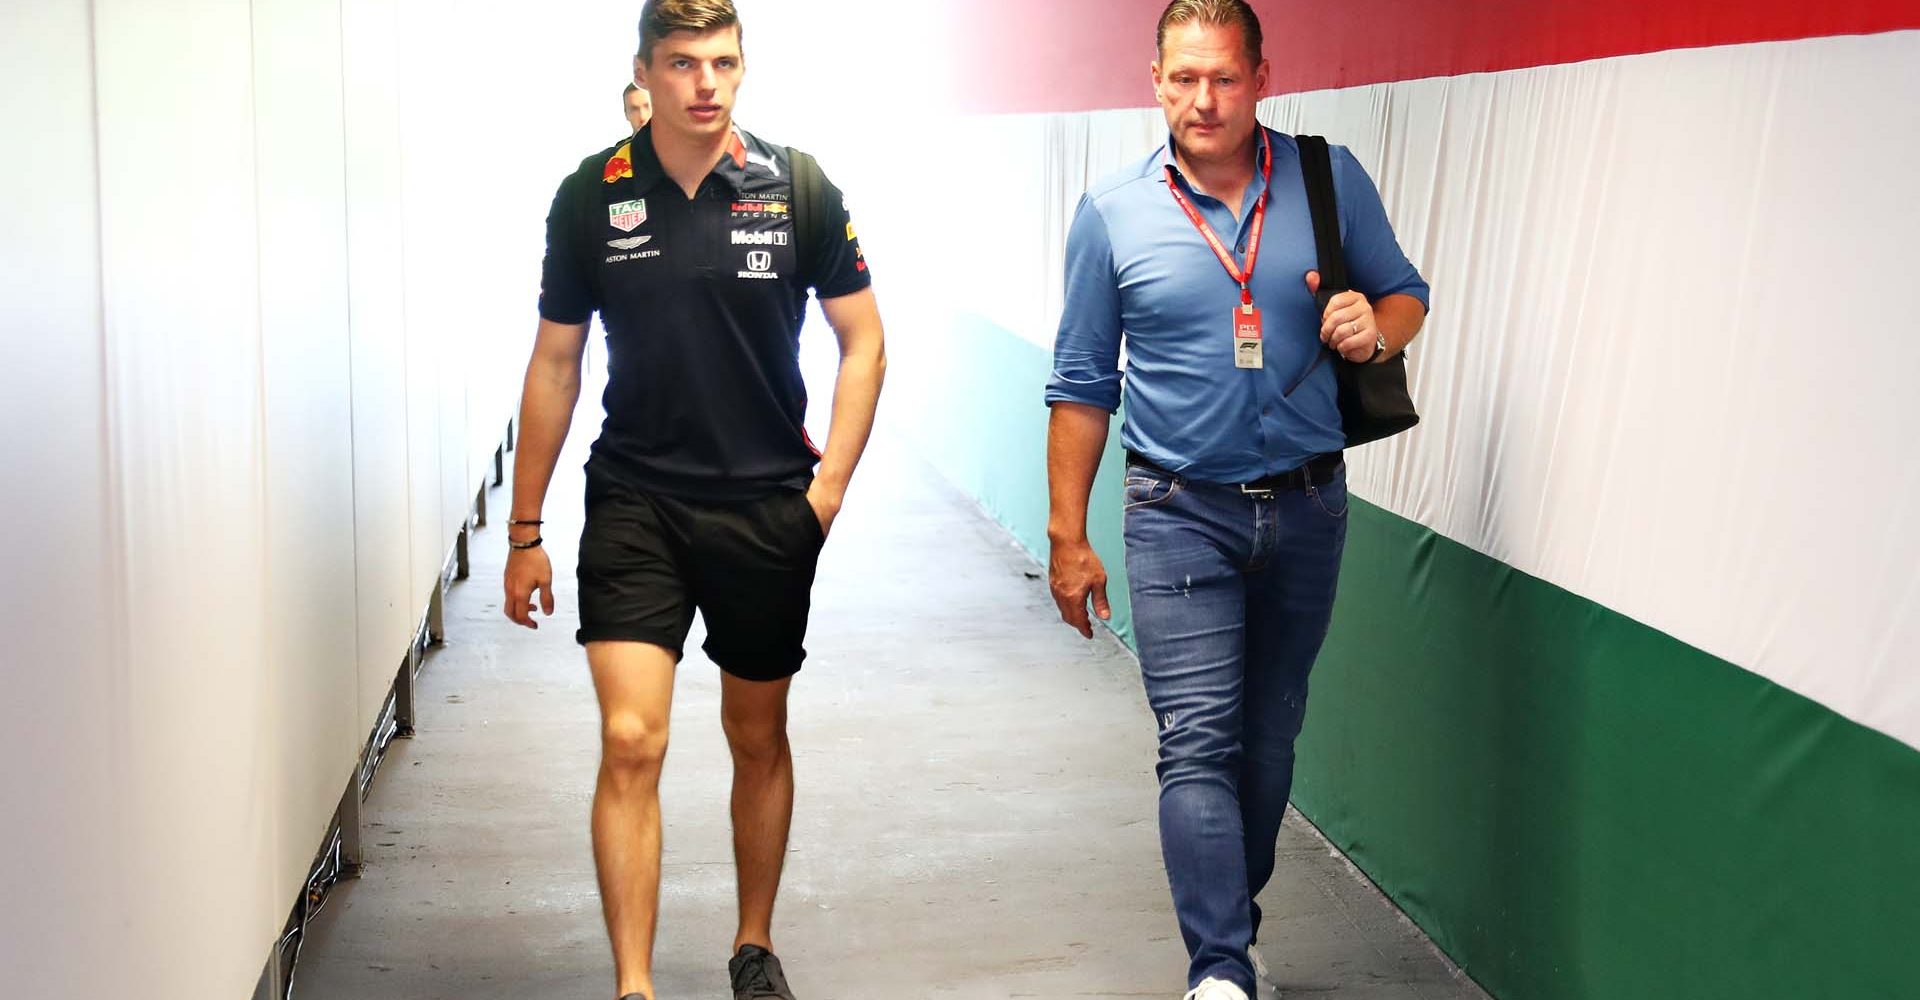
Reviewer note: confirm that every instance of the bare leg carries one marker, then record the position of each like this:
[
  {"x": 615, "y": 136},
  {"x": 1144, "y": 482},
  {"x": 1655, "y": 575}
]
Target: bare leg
[
  {"x": 634, "y": 682},
  {"x": 754, "y": 715}
]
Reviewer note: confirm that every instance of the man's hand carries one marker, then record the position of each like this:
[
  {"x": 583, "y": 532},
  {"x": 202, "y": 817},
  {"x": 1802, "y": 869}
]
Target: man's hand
[
  {"x": 1074, "y": 572},
  {"x": 528, "y": 570},
  {"x": 826, "y": 505},
  {"x": 1348, "y": 324}
]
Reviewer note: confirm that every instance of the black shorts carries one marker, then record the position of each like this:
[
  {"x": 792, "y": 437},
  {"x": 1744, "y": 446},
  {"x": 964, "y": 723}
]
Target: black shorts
[{"x": 647, "y": 561}]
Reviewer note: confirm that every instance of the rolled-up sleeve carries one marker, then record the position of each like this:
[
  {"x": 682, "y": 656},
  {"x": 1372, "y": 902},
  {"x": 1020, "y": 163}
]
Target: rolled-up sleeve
[
  {"x": 1376, "y": 266},
  {"x": 1086, "y": 351}
]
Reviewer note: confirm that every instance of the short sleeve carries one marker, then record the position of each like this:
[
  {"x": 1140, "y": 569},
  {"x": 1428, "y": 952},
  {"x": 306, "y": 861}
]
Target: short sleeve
[
  {"x": 566, "y": 286},
  {"x": 839, "y": 265}
]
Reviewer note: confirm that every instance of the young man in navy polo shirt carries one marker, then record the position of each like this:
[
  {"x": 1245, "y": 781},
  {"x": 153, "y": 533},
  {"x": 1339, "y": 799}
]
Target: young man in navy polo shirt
[{"x": 702, "y": 492}]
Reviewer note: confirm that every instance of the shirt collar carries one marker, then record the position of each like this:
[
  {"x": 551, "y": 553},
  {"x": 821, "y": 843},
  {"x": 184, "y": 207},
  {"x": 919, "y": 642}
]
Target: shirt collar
[
  {"x": 635, "y": 158},
  {"x": 1262, "y": 148},
  {"x": 733, "y": 166}
]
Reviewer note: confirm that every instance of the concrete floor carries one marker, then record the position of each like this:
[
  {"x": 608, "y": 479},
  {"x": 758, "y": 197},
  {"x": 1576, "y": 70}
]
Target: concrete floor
[{"x": 975, "y": 817}]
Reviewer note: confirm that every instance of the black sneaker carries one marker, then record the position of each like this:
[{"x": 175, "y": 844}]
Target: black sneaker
[{"x": 756, "y": 975}]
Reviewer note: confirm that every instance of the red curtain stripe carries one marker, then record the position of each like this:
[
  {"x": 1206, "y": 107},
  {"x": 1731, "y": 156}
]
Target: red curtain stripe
[{"x": 1085, "y": 55}]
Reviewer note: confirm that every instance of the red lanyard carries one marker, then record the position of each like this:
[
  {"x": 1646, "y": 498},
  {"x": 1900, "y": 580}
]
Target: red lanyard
[{"x": 1253, "y": 236}]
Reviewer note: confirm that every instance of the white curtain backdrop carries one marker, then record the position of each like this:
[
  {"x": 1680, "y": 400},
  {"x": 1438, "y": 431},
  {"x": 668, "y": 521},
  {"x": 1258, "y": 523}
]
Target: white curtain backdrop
[{"x": 270, "y": 272}]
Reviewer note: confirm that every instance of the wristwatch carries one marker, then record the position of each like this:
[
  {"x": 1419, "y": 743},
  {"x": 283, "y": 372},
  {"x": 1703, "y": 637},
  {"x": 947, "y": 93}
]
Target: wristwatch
[{"x": 1379, "y": 347}]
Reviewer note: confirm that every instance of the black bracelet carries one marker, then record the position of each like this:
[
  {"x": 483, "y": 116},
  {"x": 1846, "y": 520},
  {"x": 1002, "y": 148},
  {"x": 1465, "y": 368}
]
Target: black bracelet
[
  {"x": 534, "y": 544},
  {"x": 515, "y": 522}
]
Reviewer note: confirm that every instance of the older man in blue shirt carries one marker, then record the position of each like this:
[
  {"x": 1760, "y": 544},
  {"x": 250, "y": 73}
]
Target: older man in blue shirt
[{"x": 1202, "y": 259}]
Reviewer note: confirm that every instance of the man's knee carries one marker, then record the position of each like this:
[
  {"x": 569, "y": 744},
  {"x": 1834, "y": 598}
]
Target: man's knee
[
  {"x": 758, "y": 736},
  {"x": 632, "y": 747},
  {"x": 1197, "y": 749}
]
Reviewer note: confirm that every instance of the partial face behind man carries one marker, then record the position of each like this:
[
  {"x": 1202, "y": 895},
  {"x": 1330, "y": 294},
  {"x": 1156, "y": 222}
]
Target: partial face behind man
[
  {"x": 639, "y": 107},
  {"x": 693, "y": 78},
  {"x": 1209, "y": 86}
]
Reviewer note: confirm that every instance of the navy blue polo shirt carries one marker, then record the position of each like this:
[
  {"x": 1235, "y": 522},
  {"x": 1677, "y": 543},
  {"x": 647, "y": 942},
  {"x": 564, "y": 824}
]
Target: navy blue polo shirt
[{"x": 702, "y": 299}]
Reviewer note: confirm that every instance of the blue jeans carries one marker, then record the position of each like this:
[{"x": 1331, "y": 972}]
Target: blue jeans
[{"x": 1232, "y": 594}]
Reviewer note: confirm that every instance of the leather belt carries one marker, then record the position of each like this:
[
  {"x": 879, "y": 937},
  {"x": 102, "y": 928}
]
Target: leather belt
[{"x": 1317, "y": 471}]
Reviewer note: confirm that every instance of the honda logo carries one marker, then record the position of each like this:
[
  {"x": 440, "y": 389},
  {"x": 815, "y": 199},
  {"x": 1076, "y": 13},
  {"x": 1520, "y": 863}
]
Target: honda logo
[{"x": 759, "y": 260}]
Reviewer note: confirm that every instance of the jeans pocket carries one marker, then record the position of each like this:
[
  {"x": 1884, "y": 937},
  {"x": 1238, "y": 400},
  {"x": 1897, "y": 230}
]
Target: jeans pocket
[
  {"x": 1146, "y": 491},
  {"x": 1331, "y": 498}
]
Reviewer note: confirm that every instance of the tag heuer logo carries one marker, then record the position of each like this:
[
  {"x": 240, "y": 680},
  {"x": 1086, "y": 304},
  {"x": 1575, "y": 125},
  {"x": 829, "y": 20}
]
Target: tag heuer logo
[
  {"x": 629, "y": 243},
  {"x": 759, "y": 260},
  {"x": 627, "y": 216}
]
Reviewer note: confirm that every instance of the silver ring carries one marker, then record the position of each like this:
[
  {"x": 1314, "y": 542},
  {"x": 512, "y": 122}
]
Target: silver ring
[{"x": 1353, "y": 327}]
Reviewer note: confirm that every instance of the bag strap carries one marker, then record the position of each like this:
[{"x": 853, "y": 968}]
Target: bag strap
[
  {"x": 1316, "y": 168},
  {"x": 809, "y": 209}
]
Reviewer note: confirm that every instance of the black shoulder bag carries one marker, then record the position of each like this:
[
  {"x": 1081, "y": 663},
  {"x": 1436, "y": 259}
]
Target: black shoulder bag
[
  {"x": 1374, "y": 402},
  {"x": 809, "y": 209}
]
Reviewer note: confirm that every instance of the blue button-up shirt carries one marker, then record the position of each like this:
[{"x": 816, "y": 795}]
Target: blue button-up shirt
[{"x": 1138, "y": 271}]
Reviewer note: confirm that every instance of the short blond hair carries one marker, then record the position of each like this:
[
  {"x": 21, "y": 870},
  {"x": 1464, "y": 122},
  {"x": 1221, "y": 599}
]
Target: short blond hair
[
  {"x": 660, "y": 18},
  {"x": 1225, "y": 13}
]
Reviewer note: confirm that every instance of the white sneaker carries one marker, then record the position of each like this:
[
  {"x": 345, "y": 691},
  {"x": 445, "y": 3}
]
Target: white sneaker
[{"x": 1211, "y": 988}]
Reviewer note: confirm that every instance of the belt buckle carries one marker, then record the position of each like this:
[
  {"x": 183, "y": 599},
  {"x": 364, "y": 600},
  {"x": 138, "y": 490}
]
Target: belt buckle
[{"x": 1255, "y": 492}]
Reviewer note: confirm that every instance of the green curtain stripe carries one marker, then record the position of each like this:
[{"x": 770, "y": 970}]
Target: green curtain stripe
[{"x": 1577, "y": 806}]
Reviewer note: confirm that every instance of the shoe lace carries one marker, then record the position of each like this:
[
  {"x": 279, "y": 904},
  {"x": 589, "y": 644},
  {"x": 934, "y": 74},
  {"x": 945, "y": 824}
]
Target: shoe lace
[{"x": 753, "y": 975}]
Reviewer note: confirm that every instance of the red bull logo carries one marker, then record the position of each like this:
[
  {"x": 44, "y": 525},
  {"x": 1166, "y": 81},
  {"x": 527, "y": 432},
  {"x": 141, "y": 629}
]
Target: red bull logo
[
  {"x": 761, "y": 207},
  {"x": 620, "y": 166}
]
